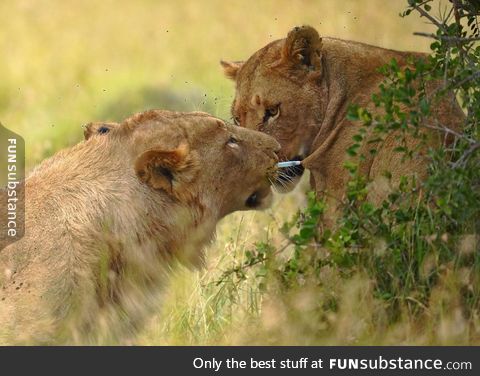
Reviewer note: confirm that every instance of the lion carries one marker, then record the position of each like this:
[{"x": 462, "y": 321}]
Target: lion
[
  {"x": 106, "y": 218},
  {"x": 299, "y": 89}
]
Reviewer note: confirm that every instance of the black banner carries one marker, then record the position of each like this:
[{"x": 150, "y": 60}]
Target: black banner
[{"x": 241, "y": 360}]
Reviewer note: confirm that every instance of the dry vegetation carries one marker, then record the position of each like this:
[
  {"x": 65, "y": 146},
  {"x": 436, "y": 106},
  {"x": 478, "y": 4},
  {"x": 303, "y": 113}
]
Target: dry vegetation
[{"x": 66, "y": 63}]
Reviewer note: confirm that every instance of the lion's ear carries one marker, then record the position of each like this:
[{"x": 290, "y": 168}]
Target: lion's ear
[
  {"x": 167, "y": 170},
  {"x": 303, "y": 47},
  {"x": 91, "y": 129},
  {"x": 231, "y": 68}
]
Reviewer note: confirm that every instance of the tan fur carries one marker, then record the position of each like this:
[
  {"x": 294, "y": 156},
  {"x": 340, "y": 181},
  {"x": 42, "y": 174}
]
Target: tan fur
[
  {"x": 313, "y": 81},
  {"x": 105, "y": 218}
]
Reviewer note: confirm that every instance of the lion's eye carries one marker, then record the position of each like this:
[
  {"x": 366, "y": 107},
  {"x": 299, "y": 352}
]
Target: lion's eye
[
  {"x": 236, "y": 120},
  {"x": 271, "y": 113},
  {"x": 232, "y": 141}
]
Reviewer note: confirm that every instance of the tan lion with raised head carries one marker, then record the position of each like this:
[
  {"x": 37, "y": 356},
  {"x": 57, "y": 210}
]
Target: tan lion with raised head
[
  {"x": 298, "y": 90},
  {"x": 104, "y": 219}
]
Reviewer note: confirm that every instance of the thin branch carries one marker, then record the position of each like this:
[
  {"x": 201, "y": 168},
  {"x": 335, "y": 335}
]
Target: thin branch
[
  {"x": 467, "y": 154},
  {"x": 432, "y": 19},
  {"x": 456, "y": 11},
  {"x": 473, "y": 76},
  {"x": 450, "y": 131},
  {"x": 447, "y": 37},
  {"x": 245, "y": 264}
]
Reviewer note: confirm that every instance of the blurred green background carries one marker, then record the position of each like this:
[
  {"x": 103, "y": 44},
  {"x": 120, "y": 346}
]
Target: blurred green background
[{"x": 65, "y": 63}]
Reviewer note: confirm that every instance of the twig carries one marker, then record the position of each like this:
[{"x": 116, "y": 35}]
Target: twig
[
  {"x": 456, "y": 7},
  {"x": 467, "y": 154},
  {"x": 473, "y": 76},
  {"x": 432, "y": 19},
  {"x": 456, "y": 13},
  {"x": 450, "y": 131},
  {"x": 445, "y": 130},
  {"x": 246, "y": 264},
  {"x": 446, "y": 37}
]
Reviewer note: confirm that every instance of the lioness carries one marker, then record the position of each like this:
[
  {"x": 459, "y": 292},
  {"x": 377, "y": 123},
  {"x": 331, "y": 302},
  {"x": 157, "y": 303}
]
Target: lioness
[
  {"x": 298, "y": 90},
  {"x": 104, "y": 217}
]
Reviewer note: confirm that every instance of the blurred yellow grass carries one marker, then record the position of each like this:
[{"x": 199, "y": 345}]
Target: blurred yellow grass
[{"x": 65, "y": 63}]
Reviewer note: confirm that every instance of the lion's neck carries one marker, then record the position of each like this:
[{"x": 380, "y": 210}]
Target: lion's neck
[{"x": 350, "y": 74}]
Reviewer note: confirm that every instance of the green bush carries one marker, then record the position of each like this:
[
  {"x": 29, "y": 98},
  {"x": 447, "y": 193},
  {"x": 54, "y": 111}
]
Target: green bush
[{"x": 412, "y": 245}]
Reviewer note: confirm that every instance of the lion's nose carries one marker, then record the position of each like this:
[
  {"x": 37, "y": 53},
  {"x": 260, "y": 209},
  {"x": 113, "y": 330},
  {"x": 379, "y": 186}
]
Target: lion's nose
[
  {"x": 274, "y": 150},
  {"x": 277, "y": 152},
  {"x": 273, "y": 153},
  {"x": 276, "y": 146},
  {"x": 269, "y": 144}
]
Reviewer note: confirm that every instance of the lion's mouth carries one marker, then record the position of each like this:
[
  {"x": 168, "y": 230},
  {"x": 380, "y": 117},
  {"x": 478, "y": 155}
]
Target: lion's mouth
[
  {"x": 290, "y": 175},
  {"x": 257, "y": 199}
]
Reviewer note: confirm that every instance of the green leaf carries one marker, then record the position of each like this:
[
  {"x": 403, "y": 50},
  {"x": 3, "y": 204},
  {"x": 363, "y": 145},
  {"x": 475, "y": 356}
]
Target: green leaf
[
  {"x": 357, "y": 138},
  {"x": 424, "y": 106},
  {"x": 352, "y": 150}
]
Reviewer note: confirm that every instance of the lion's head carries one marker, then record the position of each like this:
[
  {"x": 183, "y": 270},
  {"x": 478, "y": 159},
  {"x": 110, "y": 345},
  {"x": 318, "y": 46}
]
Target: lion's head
[
  {"x": 277, "y": 93},
  {"x": 197, "y": 158}
]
